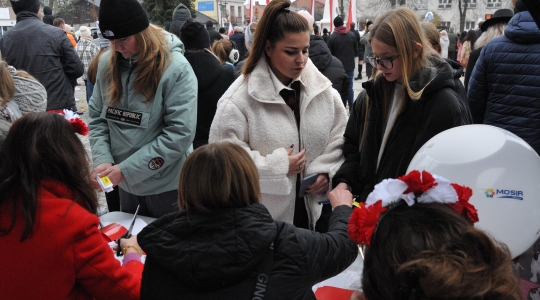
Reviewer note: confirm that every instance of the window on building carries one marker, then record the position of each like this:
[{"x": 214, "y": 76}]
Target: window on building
[
  {"x": 470, "y": 3},
  {"x": 444, "y": 25},
  {"x": 445, "y": 4},
  {"x": 493, "y": 3},
  {"x": 419, "y": 4},
  {"x": 239, "y": 13},
  {"x": 470, "y": 25}
]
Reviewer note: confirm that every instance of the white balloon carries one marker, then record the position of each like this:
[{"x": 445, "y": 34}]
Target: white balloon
[{"x": 502, "y": 170}]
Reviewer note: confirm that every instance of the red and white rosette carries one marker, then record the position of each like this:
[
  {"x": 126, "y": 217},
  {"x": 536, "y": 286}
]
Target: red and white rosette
[{"x": 421, "y": 187}]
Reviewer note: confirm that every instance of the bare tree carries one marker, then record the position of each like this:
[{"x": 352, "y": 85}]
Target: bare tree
[{"x": 463, "y": 5}]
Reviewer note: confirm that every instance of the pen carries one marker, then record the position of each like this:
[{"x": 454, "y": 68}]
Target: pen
[{"x": 355, "y": 203}]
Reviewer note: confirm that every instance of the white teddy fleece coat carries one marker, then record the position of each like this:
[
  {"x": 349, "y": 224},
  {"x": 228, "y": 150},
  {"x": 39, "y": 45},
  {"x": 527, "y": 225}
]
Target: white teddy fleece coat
[{"x": 252, "y": 114}]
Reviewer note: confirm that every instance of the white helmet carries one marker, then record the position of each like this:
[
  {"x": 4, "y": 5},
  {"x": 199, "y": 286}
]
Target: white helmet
[{"x": 502, "y": 170}]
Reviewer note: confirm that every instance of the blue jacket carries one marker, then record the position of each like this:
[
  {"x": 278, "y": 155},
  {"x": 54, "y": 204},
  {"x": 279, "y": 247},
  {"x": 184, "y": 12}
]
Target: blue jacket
[{"x": 504, "y": 89}]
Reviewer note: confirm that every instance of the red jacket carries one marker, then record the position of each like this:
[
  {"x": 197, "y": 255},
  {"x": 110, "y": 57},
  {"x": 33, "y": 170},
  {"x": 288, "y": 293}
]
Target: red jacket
[{"x": 65, "y": 258}]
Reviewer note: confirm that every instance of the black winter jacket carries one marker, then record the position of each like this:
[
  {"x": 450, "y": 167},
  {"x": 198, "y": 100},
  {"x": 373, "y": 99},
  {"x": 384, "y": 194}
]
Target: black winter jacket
[
  {"x": 457, "y": 72},
  {"x": 343, "y": 46},
  {"x": 214, "y": 35},
  {"x": 217, "y": 255},
  {"x": 329, "y": 65},
  {"x": 46, "y": 53},
  {"x": 439, "y": 108},
  {"x": 240, "y": 43},
  {"x": 503, "y": 88},
  {"x": 213, "y": 80}
]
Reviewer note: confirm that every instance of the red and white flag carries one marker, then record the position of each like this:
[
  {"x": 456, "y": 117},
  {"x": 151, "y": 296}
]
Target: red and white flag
[{"x": 231, "y": 29}]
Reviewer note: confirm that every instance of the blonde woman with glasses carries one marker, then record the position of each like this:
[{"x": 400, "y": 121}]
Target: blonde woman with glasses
[{"x": 410, "y": 99}]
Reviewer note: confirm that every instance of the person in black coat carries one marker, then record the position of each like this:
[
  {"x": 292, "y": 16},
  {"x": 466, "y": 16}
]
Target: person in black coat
[
  {"x": 239, "y": 41},
  {"x": 48, "y": 17},
  {"x": 400, "y": 109},
  {"x": 214, "y": 35},
  {"x": 213, "y": 78},
  {"x": 224, "y": 244},
  {"x": 329, "y": 66},
  {"x": 45, "y": 52}
]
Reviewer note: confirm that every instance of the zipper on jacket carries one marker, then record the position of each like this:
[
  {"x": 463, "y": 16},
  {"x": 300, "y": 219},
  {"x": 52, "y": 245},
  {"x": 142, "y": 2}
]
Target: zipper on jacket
[
  {"x": 130, "y": 69},
  {"x": 300, "y": 145}
]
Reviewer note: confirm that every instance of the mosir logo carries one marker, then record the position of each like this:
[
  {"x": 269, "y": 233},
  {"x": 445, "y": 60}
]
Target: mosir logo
[{"x": 502, "y": 193}]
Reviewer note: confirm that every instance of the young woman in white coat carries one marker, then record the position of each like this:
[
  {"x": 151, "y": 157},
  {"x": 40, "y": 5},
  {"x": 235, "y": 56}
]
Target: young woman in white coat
[{"x": 286, "y": 114}]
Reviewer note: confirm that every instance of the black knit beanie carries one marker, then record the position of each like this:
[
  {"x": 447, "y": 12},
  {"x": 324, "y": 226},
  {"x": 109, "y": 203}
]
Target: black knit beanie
[
  {"x": 338, "y": 21},
  {"x": 25, "y": 5},
  {"x": 121, "y": 18},
  {"x": 194, "y": 35}
]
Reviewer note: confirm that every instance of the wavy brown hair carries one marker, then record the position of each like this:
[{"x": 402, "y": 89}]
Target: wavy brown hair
[
  {"x": 276, "y": 21},
  {"x": 41, "y": 146},
  {"x": 150, "y": 64},
  {"x": 428, "y": 251},
  {"x": 218, "y": 176}
]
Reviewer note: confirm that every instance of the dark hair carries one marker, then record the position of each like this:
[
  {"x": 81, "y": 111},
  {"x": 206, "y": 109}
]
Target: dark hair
[
  {"x": 316, "y": 29},
  {"x": 221, "y": 30},
  {"x": 276, "y": 21},
  {"x": 352, "y": 25},
  {"x": 216, "y": 176},
  {"x": 428, "y": 251},
  {"x": 42, "y": 146},
  {"x": 325, "y": 31},
  {"x": 462, "y": 36},
  {"x": 58, "y": 21},
  {"x": 471, "y": 36}
]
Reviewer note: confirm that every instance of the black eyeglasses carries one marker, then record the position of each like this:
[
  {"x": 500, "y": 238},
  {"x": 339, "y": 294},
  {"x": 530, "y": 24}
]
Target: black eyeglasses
[{"x": 387, "y": 62}]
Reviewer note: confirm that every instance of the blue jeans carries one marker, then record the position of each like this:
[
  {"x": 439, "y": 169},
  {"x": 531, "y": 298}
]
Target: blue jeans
[
  {"x": 89, "y": 90},
  {"x": 350, "y": 99}
]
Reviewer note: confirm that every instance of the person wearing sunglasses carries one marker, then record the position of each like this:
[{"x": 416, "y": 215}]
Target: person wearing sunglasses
[{"x": 409, "y": 99}]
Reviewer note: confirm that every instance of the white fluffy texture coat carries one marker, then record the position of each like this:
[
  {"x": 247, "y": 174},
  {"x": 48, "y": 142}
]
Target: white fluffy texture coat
[{"x": 252, "y": 114}]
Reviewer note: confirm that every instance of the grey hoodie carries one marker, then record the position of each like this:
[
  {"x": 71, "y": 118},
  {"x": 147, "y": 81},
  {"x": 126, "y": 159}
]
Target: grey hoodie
[{"x": 180, "y": 14}]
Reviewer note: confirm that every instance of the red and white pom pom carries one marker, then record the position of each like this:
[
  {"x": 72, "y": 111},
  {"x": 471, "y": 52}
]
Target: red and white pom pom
[{"x": 75, "y": 121}]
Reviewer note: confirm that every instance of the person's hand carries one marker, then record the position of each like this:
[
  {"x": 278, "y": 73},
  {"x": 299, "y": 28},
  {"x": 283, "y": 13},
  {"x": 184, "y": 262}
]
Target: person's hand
[
  {"x": 357, "y": 295},
  {"x": 100, "y": 168},
  {"x": 361, "y": 62},
  {"x": 114, "y": 173},
  {"x": 342, "y": 186},
  {"x": 319, "y": 186},
  {"x": 340, "y": 197},
  {"x": 132, "y": 241},
  {"x": 296, "y": 162}
]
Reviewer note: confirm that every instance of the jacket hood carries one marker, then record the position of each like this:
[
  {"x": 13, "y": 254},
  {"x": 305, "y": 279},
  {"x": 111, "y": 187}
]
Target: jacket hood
[
  {"x": 319, "y": 53},
  {"x": 457, "y": 69},
  {"x": 47, "y": 10},
  {"x": 180, "y": 14},
  {"x": 206, "y": 67},
  {"x": 522, "y": 29},
  {"x": 188, "y": 244},
  {"x": 435, "y": 76}
]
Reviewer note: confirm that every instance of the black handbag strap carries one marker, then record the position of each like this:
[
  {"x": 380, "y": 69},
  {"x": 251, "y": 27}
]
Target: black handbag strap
[{"x": 263, "y": 274}]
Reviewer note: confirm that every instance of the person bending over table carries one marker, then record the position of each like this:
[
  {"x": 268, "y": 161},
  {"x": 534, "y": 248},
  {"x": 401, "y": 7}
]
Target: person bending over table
[{"x": 51, "y": 246}]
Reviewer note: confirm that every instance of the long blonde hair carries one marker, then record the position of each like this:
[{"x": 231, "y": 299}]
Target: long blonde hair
[
  {"x": 492, "y": 32},
  {"x": 154, "y": 57},
  {"x": 398, "y": 28}
]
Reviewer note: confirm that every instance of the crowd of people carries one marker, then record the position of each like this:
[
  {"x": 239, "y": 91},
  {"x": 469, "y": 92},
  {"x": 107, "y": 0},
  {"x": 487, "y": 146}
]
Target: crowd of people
[{"x": 262, "y": 170}]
